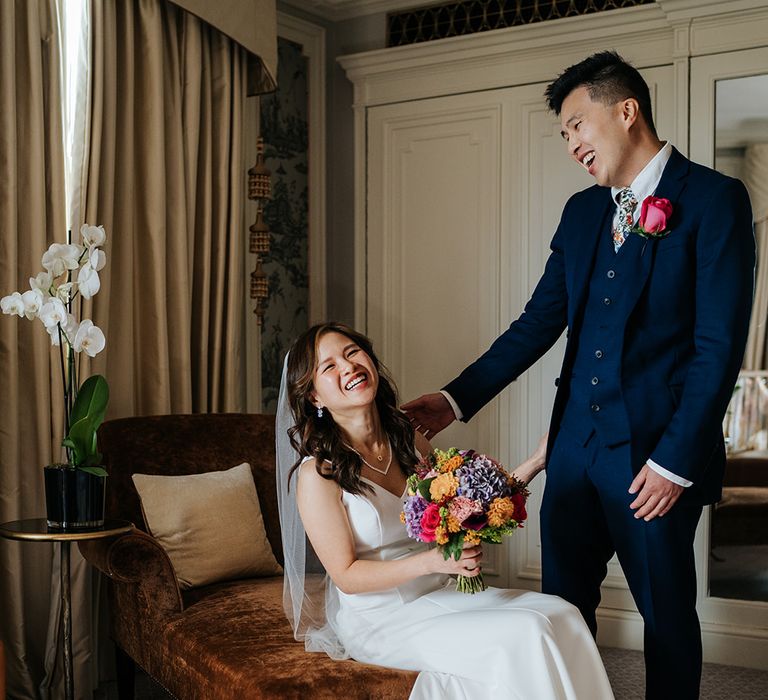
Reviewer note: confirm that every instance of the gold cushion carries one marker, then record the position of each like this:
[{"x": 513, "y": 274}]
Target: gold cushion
[{"x": 209, "y": 524}]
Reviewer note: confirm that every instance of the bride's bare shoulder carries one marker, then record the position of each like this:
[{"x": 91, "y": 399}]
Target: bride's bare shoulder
[{"x": 310, "y": 479}]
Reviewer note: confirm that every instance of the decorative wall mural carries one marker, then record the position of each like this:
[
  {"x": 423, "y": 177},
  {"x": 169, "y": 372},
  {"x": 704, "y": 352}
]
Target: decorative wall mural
[{"x": 284, "y": 116}]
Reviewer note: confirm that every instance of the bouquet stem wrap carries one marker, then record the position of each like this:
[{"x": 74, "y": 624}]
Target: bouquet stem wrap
[{"x": 470, "y": 584}]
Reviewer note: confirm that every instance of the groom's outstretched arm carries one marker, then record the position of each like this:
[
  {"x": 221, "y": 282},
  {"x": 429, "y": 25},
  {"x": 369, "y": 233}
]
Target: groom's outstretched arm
[{"x": 525, "y": 341}]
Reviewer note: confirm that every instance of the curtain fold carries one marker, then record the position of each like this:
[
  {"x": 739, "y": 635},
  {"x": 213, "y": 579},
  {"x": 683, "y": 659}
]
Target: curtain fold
[
  {"x": 32, "y": 216},
  {"x": 756, "y": 181},
  {"x": 251, "y": 23},
  {"x": 166, "y": 178}
]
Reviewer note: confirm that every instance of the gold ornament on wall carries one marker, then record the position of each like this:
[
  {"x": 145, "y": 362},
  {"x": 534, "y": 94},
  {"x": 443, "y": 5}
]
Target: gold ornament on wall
[
  {"x": 259, "y": 190},
  {"x": 259, "y": 176}
]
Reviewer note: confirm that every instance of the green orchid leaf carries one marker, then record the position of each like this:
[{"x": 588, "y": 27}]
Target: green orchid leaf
[
  {"x": 87, "y": 415},
  {"x": 92, "y": 399},
  {"x": 96, "y": 471},
  {"x": 81, "y": 435}
]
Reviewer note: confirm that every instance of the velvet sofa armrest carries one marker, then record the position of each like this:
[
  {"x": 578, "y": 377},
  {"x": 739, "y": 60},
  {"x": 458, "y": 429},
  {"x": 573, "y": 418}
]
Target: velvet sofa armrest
[
  {"x": 136, "y": 561},
  {"x": 144, "y": 592}
]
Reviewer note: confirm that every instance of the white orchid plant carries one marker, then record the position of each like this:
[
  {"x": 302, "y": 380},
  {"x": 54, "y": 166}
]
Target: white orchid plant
[{"x": 71, "y": 270}]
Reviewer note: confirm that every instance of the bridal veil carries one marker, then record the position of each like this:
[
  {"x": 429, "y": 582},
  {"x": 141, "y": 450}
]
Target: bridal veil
[{"x": 309, "y": 600}]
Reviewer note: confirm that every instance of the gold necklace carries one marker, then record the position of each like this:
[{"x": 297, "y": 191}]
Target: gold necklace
[{"x": 378, "y": 457}]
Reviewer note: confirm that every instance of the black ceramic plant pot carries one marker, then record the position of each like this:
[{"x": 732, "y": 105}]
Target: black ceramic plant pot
[{"x": 73, "y": 498}]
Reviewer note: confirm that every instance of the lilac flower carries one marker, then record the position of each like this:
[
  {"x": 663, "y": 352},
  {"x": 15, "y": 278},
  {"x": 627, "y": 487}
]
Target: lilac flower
[
  {"x": 414, "y": 508},
  {"x": 482, "y": 480}
]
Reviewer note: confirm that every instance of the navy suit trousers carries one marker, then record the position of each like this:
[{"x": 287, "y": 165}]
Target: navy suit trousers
[{"x": 585, "y": 519}]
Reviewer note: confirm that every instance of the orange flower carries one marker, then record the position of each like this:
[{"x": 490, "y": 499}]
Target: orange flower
[
  {"x": 402, "y": 517},
  {"x": 451, "y": 464},
  {"x": 500, "y": 511},
  {"x": 471, "y": 537},
  {"x": 441, "y": 535},
  {"x": 444, "y": 486},
  {"x": 452, "y": 524}
]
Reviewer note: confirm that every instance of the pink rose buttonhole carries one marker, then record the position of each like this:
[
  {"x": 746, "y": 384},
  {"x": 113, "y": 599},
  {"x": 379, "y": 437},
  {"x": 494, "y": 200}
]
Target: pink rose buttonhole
[{"x": 654, "y": 217}]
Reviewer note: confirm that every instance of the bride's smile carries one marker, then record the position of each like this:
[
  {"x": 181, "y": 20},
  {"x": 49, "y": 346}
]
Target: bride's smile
[{"x": 357, "y": 382}]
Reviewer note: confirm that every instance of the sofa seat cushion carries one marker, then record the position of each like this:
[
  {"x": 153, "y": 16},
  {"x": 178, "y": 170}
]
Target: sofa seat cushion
[{"x": 234, "y": 641}]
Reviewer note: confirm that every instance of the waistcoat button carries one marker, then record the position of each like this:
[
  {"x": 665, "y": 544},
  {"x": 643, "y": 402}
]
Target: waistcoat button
[
  {"x": 611, "y": 274},
  {"x": 607, "y": 301},
  {"x": 595, "y": 408},
  {"x": 595, "y": 380},
  {"x": 598, "y": 354}
]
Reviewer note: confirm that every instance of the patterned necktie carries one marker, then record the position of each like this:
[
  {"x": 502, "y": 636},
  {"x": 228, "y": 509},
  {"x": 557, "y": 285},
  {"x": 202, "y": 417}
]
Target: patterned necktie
[{"x": 627, "y": 204}]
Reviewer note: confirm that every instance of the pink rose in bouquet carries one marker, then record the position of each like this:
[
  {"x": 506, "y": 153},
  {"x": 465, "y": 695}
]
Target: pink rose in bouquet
[{"x": 430, "y": 521}]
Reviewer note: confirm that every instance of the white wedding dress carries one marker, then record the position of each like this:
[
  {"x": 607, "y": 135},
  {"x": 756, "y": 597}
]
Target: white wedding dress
[{"x": 495, "y": 644}]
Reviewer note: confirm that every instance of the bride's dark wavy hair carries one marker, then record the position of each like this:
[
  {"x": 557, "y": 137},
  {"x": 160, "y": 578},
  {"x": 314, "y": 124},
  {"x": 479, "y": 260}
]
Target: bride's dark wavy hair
[{"x": 321, "y": 438}]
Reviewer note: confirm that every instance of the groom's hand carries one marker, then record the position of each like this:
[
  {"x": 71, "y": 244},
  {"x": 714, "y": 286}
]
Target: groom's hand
[
  {"x": 657, "y": 494},
  {"x": 429, "y": 414}
]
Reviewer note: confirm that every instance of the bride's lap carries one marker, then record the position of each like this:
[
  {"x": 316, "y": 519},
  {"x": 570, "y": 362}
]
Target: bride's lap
[{"x": 459, "y": 633}]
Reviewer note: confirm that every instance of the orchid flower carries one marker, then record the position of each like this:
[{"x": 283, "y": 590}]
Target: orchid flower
[
  {"x": 61, "y": 257},
  {"x": 89, "y": 339},
  {"x": 12, "y": 304}
]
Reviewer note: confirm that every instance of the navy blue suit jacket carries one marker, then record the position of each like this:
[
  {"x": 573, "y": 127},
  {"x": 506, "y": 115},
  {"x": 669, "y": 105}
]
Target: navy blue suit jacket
[{"x": 687, "y": 319}]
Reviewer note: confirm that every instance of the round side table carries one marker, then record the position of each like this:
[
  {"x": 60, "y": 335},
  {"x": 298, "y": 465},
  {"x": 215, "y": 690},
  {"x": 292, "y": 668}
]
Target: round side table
[{"x": 37, "y": 530}]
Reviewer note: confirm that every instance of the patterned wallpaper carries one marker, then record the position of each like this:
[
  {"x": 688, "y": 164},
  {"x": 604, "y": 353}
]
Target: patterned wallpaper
[{"x": 284, "y": 128}]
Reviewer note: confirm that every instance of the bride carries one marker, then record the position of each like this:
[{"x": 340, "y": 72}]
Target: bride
[{"x": 363, "y": 589}]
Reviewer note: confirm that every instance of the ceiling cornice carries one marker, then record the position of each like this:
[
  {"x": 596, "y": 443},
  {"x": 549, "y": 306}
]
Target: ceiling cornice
[{"x": 337, "y": 10}]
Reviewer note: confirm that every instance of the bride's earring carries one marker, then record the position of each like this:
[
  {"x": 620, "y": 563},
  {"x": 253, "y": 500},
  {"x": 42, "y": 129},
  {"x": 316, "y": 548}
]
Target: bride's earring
[{"x": 319, "y": 411}]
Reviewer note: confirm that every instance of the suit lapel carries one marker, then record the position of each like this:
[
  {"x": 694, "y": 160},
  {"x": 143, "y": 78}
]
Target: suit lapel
[
  {"x": 673, "y": 179},
  {"x": 670, "y": 186}
]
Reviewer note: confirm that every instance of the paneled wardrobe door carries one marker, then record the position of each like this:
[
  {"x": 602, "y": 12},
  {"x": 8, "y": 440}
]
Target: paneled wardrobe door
[{"x": 435, "y": 174}]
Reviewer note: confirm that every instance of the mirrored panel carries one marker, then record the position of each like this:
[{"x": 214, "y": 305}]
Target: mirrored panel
[{"x": 738, "y": 558}]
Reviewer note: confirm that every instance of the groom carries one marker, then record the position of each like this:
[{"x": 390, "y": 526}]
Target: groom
[{"x": 651, "y": 271}]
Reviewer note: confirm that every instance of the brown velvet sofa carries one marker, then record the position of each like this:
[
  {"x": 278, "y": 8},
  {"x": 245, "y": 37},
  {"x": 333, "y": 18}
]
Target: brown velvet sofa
[{"x": 228, "y": 640}]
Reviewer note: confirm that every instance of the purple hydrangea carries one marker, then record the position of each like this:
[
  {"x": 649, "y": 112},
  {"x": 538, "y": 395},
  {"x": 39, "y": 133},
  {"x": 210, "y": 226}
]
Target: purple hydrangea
[
  {"x": 414, "y": 508},
  {"x": 482, "y": 480}
]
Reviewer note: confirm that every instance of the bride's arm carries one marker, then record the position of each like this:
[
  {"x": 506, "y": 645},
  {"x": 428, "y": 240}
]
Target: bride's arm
[
  {"x": 423, "y": 446},
  {"x": 326, "y": 524},
  {"x": 534, "y": 464}
]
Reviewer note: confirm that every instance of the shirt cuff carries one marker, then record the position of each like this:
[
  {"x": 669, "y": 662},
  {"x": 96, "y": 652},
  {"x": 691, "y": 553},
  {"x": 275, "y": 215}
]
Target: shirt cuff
[
  {"x": 674, "y": 478},
  {"x": 456, "y": 410}
]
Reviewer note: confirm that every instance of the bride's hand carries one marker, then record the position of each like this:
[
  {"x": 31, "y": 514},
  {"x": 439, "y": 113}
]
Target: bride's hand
[
  {"x": 534, "y": 464},
  {"x": 467, "y": 565}
]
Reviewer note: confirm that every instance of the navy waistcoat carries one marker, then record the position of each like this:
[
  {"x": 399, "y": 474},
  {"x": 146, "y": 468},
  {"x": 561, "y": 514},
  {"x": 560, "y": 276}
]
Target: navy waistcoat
[{"x": 595, "y": 402}]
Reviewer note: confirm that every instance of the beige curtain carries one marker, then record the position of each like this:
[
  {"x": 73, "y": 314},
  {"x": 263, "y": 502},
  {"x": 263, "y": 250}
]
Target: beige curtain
[
  {"x": 166, "y": 179},
  {"x": 31, "y": 217},
  {"x": 756, "y": 180},
  {"x": 165, "y": 176}
]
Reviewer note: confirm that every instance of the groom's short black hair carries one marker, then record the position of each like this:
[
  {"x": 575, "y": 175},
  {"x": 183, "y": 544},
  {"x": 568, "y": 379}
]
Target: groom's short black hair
[{"x": 608, "y": 79}]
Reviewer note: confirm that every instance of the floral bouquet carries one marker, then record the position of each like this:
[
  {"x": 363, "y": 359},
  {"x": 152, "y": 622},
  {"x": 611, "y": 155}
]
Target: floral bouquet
[{"x": 461, "y": 497}]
